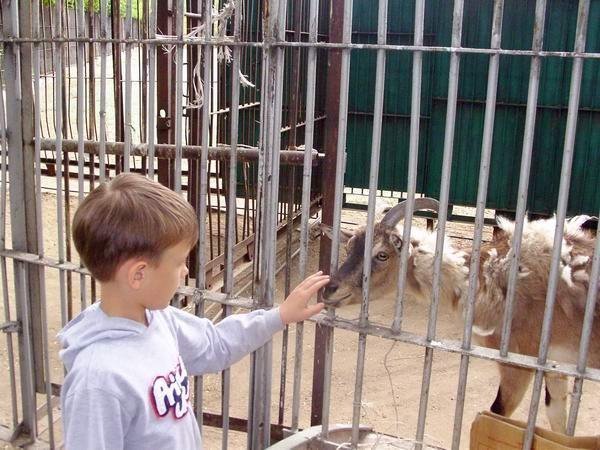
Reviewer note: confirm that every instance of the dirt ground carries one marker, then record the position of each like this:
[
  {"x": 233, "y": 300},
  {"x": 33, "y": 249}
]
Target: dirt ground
[{"x": 393, "y": 372}]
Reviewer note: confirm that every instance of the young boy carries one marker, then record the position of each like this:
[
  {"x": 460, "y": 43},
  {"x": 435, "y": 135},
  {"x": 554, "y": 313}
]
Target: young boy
[{"x": 129, "y": 355}]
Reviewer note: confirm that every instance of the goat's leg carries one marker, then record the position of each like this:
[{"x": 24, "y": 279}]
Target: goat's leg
[
  {"x": 513, "y": 384},
  {"x": 556, "y": 400}
]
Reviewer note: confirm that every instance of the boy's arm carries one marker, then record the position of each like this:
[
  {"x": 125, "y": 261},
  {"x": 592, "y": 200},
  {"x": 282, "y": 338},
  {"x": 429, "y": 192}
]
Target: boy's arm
[
  {"x": 93, "y": 419},
  {"x": 206, "y": 347}
]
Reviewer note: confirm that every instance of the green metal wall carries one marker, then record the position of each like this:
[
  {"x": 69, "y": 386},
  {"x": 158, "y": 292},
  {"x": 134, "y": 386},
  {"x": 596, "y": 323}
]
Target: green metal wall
[{"x": 510, "y": 112}]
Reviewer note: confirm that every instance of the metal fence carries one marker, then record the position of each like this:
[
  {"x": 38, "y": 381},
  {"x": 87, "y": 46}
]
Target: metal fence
[{"x": 228, "y": 113}]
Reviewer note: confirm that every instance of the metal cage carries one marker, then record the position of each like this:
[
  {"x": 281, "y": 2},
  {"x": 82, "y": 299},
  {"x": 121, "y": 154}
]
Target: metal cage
[{"x": 229, "y": 111}]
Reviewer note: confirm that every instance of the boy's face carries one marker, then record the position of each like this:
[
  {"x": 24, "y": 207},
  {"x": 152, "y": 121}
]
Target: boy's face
[{"x": 163, "y": 279}]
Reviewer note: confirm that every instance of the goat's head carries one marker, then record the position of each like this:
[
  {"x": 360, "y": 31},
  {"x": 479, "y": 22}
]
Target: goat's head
[{"x": 345, "y": 286}]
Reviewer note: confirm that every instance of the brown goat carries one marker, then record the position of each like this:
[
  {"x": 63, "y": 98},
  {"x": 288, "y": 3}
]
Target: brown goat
[{"x": 530, "y": 295}]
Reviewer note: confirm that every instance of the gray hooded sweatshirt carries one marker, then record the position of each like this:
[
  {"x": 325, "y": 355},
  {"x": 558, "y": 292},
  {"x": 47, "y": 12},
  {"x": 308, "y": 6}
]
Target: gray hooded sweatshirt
[{"x": 127, "y": 384}]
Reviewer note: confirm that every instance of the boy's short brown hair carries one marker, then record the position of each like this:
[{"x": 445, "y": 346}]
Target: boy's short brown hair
[{"x": 127, "y": 217}]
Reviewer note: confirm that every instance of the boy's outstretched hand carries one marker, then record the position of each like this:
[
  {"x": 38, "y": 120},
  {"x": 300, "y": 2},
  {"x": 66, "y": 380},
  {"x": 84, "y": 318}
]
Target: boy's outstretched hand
[{"x": 295, "y": 308}]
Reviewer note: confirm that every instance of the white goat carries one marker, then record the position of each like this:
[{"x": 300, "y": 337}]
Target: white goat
[{"x": 530, "y": 295}]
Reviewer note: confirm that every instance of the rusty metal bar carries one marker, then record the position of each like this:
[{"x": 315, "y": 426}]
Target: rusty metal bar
[
  {"x": 167, "y": 151},
  {"x": 322, "y": 45},
  {"x": 340, "y": 30}
]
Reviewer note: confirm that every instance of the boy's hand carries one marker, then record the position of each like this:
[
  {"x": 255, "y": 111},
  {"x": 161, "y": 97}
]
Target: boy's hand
[{"x": 295, "y": 308}]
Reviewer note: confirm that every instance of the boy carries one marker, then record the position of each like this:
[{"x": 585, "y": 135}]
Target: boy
[{"x": 128, "y": 356}]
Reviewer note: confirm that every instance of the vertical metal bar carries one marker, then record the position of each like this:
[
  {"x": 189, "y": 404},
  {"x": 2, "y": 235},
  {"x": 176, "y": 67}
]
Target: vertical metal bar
[
  {"x": 294, "y": 105},
  {"x": 588, "y": 320},
  {"x": 164, "y": 95},
  {"x": 39, "y": 227},
  {"x": 200, "y": 256},
  {"x": 80, "y": 96},
  {"x": 102, "y": 111},
  {"x": 413, "y": 158},
  {"x": 484, "y": 169},
  {"x": 127, "y": 106},
  {"x": 274, "y": 14},
  {"x": 26, "y": 350},
  {"x": 256, "y": 401},
  {"x": 561, "y": 213},
  {"x": 58, "y": 93},
  {"x": 18, "y": 71},
  {"x": 443, "y": 212},
  {"x": 340, "y": 164},
  {"x": 81, "y": 123},
  {"x": 274, "y": 99},
  {"x": 5, "y": 291},
  {"x": 311, "y": 74},
  {"x": 532, "y": 95},
  {"x": 231, "y": 219},
  {"x": 178, "y": 93},
  {"x": 151, "y": 90},
  {"x": 373, "y": 178}
]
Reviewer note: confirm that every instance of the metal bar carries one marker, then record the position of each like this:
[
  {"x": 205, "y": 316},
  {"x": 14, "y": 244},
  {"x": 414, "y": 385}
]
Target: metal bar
[
  {"x": 102, "y": 111},
  {"x": 455, "y": 346},
  {"x": 382, "y": 22},
  {"x": 256, "y": 407},
  {"x": 532, "y": 95},
  {"x": 231, "y": 219},
  {"x": 457, "y": 22},
  {"x": 127, "y": 125},
  {"x": 39, "y": 227},
  {"x": 178, "y": 93},
  {"x": 484, "y": 169},
  {"x": 26, "y": 350},
  {"x": 165, "y": 104},
  {"x": 5, "y": 291},
  {"x": 80, "y": 56},
  {"x": 17, "y": 72},
  {"x": 167, "y": 151},
  {"x": 415, "y": 116},
  {"x": 275, "y": 20},
  {"x": 151, "y": 134},
  {"x": 58, "y": 108},
  {"x": 588, "y": 319},
  {"x": 294, "y": 105},
  {"x": 561, "y": 213},
  {"x": 200, "y": 251},
  {"x": 318, "y": 45},
  {"x": 80, "y": 124},
  {"x": 340, "y": 163},
  {"x": 311, "y": 74}
]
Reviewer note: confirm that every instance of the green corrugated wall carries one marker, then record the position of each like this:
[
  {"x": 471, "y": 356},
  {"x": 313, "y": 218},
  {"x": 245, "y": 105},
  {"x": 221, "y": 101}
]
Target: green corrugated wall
[{"x": 510, "y": 111}]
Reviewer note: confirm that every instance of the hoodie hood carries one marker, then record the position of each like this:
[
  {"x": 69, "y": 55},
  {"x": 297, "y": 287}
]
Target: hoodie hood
[{"x": 90, "y": 326}]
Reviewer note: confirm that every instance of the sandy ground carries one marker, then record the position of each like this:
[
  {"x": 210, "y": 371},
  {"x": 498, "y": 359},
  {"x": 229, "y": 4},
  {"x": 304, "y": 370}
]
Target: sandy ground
[{"x": 393, "y": 372}]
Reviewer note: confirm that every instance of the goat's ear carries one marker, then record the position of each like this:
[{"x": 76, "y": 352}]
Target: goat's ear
[
  {"x": 345, "y": 235},
  {"x": 396, "y": 241}
]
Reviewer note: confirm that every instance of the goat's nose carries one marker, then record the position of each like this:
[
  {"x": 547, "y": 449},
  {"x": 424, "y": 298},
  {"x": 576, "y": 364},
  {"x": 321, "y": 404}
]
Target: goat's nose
[{"x": 330, "y": 289}]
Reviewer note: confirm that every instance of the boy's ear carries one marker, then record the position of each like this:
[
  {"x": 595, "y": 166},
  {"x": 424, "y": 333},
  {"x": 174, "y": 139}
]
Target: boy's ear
[{"x": 136, "y": 273}]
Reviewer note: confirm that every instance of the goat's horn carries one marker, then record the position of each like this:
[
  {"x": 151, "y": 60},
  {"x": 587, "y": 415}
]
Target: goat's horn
[{"x": 394, "y": 215}]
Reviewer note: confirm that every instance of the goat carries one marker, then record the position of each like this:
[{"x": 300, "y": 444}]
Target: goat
[{"x": 345, "y": 287}]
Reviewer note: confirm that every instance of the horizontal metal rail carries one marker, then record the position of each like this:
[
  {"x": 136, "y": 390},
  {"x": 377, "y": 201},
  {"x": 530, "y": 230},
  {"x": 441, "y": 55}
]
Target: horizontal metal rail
[
  {"x": 167, "y": 151},
  {"x": 323, "y": 45}
]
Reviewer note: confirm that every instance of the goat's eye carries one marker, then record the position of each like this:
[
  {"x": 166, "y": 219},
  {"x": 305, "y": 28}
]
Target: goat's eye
[{"x": 382, "y": 256}]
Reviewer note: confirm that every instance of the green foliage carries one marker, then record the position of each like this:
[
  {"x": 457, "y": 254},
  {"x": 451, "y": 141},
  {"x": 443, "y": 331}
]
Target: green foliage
[{"x": 136, "y": 6}]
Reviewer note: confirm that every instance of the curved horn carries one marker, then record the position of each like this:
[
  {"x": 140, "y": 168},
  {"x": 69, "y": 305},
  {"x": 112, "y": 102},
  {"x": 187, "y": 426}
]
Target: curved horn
[{"x": 394, "y": 215}]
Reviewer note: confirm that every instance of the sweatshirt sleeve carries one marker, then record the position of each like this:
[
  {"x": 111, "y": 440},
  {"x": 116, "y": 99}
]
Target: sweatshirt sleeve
[
  {"x": 93, "y": 420},
  {"x": 206, "y": 347}
]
